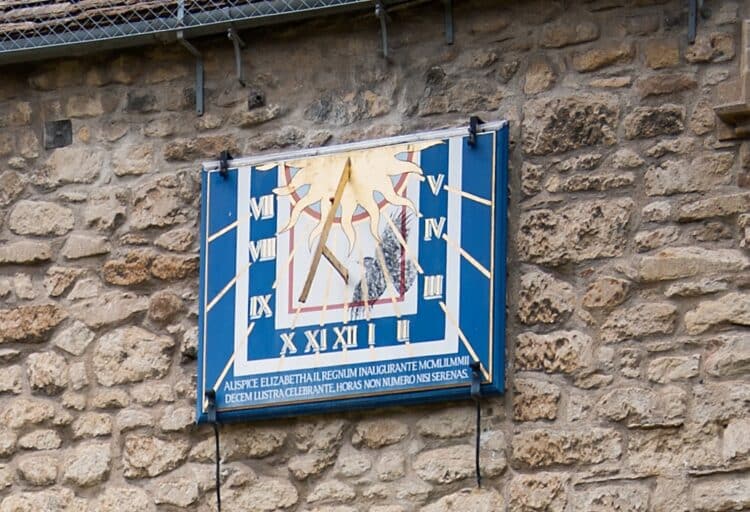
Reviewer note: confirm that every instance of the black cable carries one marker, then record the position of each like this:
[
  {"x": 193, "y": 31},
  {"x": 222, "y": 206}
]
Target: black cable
[
  {"x": 476, "y": 394},
  {"x": 218, "y": 468},
  {"x": 478, "y": 440}
]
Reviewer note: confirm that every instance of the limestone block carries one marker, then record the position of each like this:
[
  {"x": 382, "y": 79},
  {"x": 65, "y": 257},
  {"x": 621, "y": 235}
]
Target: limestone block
[
  {"x": 8, "y": 442},
  {"x": 176, "y": 419},
  {"x": 662, "y": 53},
  {"x": 670, "y": 495},
  {"x": 531, "y": 178},
  {"x": 602, "y": 56},
  {"x": 242, "y": 442},
  {"x": 590, "y": 182},
  {"x": 92, "y": 424},
  {"x": 25, "y": 252},
  {"x": 71, "y": 164},
  {"x": 263, "y": 495},
  {"x": 11, "y": 380},
  {"x": 151, "y": 393},
  {"x": 157, "y": 204},
  {"x": 26, "y": 411},
  {"x": 74, "y": 339},
  {"x": 82, "y": 246},
  {"x": 24, "y": 286},
  {"x": 579, "y": 232},
  {"x": 131, "y": 270},
  {"x": 105, "y": 208},
  {"x": 476, "y": 500},
  {"x": 646, "y": 122},
  {"x": 110, "y": 399},
  {"x": 626, "y": 159},
  {"x": 644, "y": 408},
  {"x": 38, "y": 469},
  {"x": 540, "y": 76},
  {"x": 133, "y": 160},
  {"x": 544, "y": 299},
  {"x": 655, "y": 238},
  {"x": 108, "y": 308},
  {"x": 606, "y": 292},
  {"x": 623, "y": 498},
  {"x": 546, "y": 447},
  {"x": 147, "y": 456},
  {"x": 47, "y": 372},
  {"x": 131, "y": 418},
  {"x": 352, "y": 463},
  {"x": 703, "y": 118},
  {"x": 377, "y": 433},
  {"x": 168, "y": 267},
  {"x": 179, "y": 492},
  {"x": 658, "y": 211},
  {"x": 457, "y": 94},
  {"x": 200, "y": 147},
  {"x": 447, "y": 423},
  {"x": 57, "y": 499},
  {"x": 178, "y": 239},
  {"x": 556, "y": 125},
  {"x": 556, "y": 352},
  {"x": 539, "y": 491},
  {"x": 131, "y": 354},
  {"x": 123, "y": 499},
  {"x": 567, "y": 32},
  {"x": 660, "y": 450},
  {"x": 57, "y": 280},
  {"x": 11, "y": 187},
  {"x": 733, "y": 308},
  {"x": 29, "y": 324},
  {"x": 736, "y": 440},
  {"x": 720, "y": 402},
  {"x": 638, "y": 321},
  {"x": 732, "y": 494},
  {"x": 309, "y": 464},
  {"x": 87, "y": 464},
  {"x": 657, "y": 85},
  {"x": 704, "y": 173},
  {"x": 390, "y": 466},
  {"x": 256, "y": 116},
  {"x": 331, "y": 491},
  {"x": 731, "y": 358},
  {"x": 714, "y": 47},
  {"x": 671, "y": 369},
  {"x": 718, "y": 206},
  {"x": 704, "y": 286},
  {"x": 163, "y": 306},
  {"x": 445, "y": 465},
  {"x": 43, "y": 439},
  {"x": 679, "y": 262},
  {"x": 535, "y": 400}
]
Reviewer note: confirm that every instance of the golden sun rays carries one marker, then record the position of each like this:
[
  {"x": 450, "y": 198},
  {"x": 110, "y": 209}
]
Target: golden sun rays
[{"x": 371, "y": 172}]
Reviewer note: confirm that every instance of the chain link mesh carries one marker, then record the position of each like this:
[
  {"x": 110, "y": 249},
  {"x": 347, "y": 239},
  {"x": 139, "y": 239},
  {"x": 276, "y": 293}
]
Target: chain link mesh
[{"x": 41, "y": 23}]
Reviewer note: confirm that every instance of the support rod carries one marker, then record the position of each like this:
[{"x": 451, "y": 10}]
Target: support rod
[
  {"x": 382, "y": 15},
  {"x": 198, "y": 71},
  {"x": 238, "y": 44}
]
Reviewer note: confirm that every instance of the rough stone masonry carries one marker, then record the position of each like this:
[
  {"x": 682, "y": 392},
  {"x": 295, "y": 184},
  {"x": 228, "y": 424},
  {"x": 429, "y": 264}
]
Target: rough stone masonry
[{"x": 629, "y": 289}]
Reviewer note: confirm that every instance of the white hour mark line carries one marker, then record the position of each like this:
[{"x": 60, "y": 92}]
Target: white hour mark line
[
  {"x": 468, "y": 195},
  {"x": 223, "y": 231},
  {"x": 468, "y": 257},
  {"x": 283, "y": 271},
  {"x": 225, "y": 370},
  {"x": 463, "y": 339},
  {"x": 433, "y": 287},
  {"x": 226, "y": 288},
  {"x": 402, "y": 331},
  {"x": 401, "y": 241}
]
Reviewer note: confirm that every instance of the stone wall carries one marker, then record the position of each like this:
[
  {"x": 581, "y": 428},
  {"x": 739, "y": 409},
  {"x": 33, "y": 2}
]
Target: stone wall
[{"x": 629, "y": 288}]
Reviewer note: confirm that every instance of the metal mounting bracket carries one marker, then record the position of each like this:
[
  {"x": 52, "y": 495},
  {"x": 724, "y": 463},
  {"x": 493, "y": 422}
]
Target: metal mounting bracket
[
  {"x": 448, "y": 21},
  {"x": 382, "y": 15},
  {"x": 238, "y": 45},
  {"x": 198, "y": 71}
]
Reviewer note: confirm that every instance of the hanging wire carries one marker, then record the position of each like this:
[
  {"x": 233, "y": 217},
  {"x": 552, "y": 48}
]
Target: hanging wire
[
  {"x": 218, "y": 468},
  {"x": 476, "y": 395}
]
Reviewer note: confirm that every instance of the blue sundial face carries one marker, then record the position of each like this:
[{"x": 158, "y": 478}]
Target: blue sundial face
[{"x": 333, "y": 278}]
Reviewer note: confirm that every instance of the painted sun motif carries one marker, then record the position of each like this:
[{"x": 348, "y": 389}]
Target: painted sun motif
[{"x": 372, "y": 171}]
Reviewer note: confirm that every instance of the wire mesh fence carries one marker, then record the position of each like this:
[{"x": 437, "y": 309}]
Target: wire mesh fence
[{"x": 36, "y": 24}]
